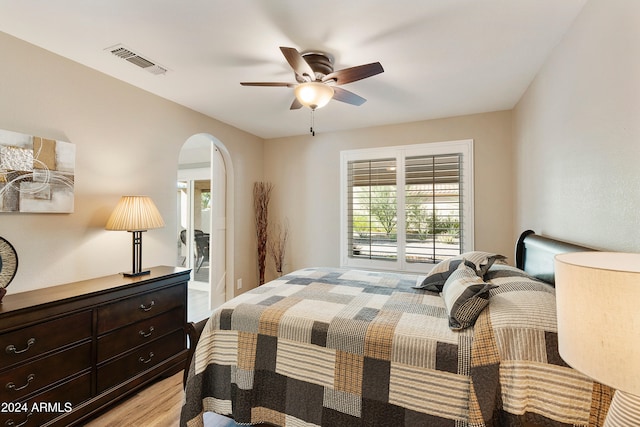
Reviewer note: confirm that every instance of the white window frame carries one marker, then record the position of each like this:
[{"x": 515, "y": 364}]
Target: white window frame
[{"x": 463, "y": 147}]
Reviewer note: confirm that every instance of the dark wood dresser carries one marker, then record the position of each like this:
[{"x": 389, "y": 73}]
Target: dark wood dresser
[{"x": 69, "y": 351}]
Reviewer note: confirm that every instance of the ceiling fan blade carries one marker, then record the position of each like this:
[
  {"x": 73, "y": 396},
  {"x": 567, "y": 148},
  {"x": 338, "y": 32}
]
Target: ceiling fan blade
[
  {"x": 343, "y": 95},
  {"x": 353, "y": 74},
  {"x": 297, "y": 62},
  {"x": 268, "y": 84},
  {"x": 296, "y": 105}
]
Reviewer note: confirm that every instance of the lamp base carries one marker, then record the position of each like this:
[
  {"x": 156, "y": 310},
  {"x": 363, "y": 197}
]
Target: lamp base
[
  {"x": 624, "y": 410},
  {"x": 139, "y": 273}
]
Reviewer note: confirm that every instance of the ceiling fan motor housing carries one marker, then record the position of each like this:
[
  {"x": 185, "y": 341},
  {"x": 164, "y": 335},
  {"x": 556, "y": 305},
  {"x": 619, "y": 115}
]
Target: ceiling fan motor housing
[{"x": 321, "y": 63}]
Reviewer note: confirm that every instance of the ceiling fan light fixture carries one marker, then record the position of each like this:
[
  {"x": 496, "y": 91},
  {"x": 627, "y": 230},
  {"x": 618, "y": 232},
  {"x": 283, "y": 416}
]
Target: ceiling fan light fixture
[{"x": 313, "y": 94}]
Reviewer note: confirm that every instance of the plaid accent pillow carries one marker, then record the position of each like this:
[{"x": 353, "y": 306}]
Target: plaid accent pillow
[
  {"x": 478, "y": 260},
  {"x": 465, "y": 296}
]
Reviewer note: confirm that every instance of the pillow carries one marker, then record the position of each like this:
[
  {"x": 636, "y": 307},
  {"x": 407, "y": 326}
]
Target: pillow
[
  {"x": 479, "y": 261},
  {"x": 465, "y": 296}
]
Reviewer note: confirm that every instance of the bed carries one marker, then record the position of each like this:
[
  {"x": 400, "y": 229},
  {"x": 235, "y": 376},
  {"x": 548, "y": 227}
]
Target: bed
[{"x": 337, "y": 347}]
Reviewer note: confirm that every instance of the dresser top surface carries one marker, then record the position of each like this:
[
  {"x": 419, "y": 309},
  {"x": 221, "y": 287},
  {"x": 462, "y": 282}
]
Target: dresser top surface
[{"x": 60, "y": 293}]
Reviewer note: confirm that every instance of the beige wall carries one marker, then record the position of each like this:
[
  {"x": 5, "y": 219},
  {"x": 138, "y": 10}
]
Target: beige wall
[
  {"x": 574, "y": 136},
  {"x": 127, "y": 142},
  {"x": 577, "y": 133},
  {"x": 305, "y": 173}
]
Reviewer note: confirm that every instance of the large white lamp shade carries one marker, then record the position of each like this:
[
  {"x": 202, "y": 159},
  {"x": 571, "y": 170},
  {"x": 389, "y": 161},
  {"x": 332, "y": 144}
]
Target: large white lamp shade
[{"x": 598, "y": 303}]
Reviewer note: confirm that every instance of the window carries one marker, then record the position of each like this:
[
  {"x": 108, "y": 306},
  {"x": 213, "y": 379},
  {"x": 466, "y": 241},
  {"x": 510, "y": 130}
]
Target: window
[{"x": 406, "y": 208}]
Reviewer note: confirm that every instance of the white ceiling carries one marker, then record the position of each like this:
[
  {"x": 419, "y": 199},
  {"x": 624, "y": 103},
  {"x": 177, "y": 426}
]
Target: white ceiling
[{"x": 441, "y": 58}]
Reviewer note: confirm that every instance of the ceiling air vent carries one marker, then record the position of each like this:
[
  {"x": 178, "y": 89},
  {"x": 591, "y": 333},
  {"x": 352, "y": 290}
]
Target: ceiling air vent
[{"x": 127, "y": 54}]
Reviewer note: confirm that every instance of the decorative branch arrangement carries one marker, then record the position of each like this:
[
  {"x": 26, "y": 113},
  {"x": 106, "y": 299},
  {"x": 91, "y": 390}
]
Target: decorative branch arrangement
[
  {"x": 261, "y": 197},
  {"x": 278, "y": 244}
]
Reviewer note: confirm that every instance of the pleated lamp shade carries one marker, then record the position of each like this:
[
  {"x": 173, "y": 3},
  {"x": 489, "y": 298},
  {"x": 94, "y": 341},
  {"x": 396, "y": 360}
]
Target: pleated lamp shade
[{"x": 135, "y": 213}]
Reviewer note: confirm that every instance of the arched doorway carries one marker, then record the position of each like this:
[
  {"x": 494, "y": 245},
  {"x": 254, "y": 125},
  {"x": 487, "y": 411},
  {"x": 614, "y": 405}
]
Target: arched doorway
[{"x": 205, "y": 203}]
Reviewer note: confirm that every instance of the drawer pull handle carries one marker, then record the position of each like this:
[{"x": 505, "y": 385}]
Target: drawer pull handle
[
  {"x": 11, "y": 349},
  {"x": 142, "y": 359},
  {"x": 12, "y": 386},
  {"x": 147, "y": 307},
  {"x": 144, "y": 334},
  {"x": 11, "y": 423}
]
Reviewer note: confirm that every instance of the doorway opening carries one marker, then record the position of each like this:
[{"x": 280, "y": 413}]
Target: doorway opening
[
  {"x": 194, "y": 207},
  {"x": 205, "y": 243}
]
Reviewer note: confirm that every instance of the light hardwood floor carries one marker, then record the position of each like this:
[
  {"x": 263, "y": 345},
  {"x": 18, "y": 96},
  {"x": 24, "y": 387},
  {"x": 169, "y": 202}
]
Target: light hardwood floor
[{"x": 157, "y": 405}]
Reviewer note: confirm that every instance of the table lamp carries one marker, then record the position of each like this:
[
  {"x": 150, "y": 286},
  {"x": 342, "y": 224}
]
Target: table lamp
[
  {"x": 135, "y": 214},
  {"x": 598, "y": 303}
]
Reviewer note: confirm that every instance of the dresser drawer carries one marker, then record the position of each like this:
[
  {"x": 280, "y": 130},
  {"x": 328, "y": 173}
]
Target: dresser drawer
[
  {"x": 48, "y": 405},
  {"x": 144, "y": 306},
  {"x": 32, "y": 341},
  {"x": 74, "y": 349},
  {"x": 143, "y": 332},
  {"x": 29, "y": 377},
  {"x": 139, "y": 360}
]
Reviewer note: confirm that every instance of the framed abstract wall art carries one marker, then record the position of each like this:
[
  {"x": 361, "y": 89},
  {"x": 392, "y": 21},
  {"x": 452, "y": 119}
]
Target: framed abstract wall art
[{"x": 36, "y": 174}]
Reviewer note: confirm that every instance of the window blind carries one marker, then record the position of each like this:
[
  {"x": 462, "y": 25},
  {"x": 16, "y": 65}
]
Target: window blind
[
  {"x": 372, "y": 211},
  {"x": 432, "y": 207},
  {"x": 405, "y": 208}
]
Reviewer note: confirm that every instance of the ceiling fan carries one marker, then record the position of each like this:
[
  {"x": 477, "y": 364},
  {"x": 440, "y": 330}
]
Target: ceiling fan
[{"x": 317, "y": 83}]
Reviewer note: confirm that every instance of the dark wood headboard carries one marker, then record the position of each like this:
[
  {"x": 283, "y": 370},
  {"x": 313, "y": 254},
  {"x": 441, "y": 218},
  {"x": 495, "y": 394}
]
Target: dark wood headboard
[{"x": 535, "y": 254}]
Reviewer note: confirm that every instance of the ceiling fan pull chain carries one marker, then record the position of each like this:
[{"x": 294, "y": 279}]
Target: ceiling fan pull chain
[{"x": 313, "y": 133}]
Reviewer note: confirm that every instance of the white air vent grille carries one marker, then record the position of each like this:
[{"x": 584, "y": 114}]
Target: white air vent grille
[{"x": 127, "y": 54}]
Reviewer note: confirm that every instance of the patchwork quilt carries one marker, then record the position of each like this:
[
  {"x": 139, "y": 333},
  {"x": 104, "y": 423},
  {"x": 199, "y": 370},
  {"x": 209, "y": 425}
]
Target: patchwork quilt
[{"x": 338, "y": 347}]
